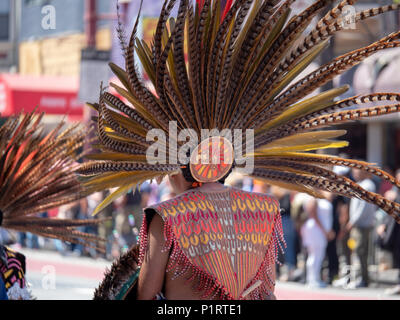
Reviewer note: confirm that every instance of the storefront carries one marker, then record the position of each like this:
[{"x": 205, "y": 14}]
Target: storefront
[
  {"x": 56, "y": 96},
  {"x": 379, "y": 73}
]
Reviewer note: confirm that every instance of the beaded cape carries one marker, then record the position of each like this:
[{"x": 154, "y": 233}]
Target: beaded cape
[{"x": 228, "y": 239}]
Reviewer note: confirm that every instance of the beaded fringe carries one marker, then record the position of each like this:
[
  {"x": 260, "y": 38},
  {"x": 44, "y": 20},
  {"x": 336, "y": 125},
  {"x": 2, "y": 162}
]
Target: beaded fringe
[
  {"x": 209, "y": 285},
  {"x": 266, "y": 271},
  {"x": 143, "y": 239}
]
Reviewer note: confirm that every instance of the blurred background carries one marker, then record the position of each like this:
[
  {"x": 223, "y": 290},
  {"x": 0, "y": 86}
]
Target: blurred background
[{"x": 55, "y": 53}]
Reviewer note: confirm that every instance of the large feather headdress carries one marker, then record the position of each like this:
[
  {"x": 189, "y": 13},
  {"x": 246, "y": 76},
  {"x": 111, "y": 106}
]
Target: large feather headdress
[
  {"x": 242, "y": 62},
  {"x": 38, "y": 172}
]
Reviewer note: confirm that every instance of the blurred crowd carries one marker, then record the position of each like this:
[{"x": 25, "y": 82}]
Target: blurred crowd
[
  {"x": 333, "y": 240},
  {"x": 339, "y": 241},
  {"x": 121, "y": 231},
  {"x": 330, "y": 240}
]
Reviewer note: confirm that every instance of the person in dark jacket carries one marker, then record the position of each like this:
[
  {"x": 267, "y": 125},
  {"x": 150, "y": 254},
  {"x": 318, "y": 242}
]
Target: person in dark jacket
[
  {"x": 289, "y": 233},
  {"x": 331, "y": 249},
  {"x": 389, "y": 239}
]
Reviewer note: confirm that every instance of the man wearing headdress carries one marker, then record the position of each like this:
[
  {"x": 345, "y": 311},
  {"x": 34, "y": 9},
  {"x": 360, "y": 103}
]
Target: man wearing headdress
[{"x": 229, "y": 68}]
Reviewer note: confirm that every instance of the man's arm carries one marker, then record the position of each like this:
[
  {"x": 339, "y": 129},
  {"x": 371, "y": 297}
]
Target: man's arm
[{"x": 155, "y": 261}]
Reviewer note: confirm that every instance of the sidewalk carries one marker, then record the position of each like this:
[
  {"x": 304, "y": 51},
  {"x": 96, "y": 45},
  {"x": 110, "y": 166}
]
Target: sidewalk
[
  {"x": 379, "y": 282},
  {"x": 297, "y": 291},
  {"x": 70, "y": 266},
  {"x": 387, "y": 277},
  {"x": 52, "y": 276}
]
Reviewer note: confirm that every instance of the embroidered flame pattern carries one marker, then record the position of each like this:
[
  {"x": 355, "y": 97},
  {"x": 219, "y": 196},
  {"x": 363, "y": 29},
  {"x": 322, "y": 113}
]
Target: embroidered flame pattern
[{"x": 225, "y": 236}]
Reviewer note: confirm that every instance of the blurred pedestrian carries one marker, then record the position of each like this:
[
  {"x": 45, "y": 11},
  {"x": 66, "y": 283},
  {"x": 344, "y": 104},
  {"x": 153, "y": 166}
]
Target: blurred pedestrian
[
  {"x": 6, "y": 237},
  {"x": 299, "y": 217},
  {"x": 68, "y": 211},
  {"x": 86, "y": 209},
  {"x": 105, "y": 230},
  {"x": 3, "y": 292},
  {"x": 388, "y": 233},
  {"x": 129, "y": 215},
  {"x": 342, "y": 209},
  {"x": 315, "y": 234},
  {"x": 384, "y": 184},
  {"x": 340, "y": 221},
  {"x": 289, "y": 232},
  {"x": 332, "y": 248},
  {"x": 360, "y": 225},
  {"x": 32, "y": 240}
]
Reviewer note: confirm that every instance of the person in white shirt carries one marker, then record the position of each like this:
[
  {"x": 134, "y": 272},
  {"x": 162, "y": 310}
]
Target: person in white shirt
[{"x": 316, "y": 232}]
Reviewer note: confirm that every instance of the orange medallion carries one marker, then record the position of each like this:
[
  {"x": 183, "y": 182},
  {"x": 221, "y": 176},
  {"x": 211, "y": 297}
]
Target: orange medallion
[{"x": 211, "y": 160}]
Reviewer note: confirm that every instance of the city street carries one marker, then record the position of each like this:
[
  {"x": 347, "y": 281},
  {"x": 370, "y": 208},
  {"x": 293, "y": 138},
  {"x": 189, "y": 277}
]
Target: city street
[
  {"x": 234, "y": 135},
  {"x": 56, "y": 277}
]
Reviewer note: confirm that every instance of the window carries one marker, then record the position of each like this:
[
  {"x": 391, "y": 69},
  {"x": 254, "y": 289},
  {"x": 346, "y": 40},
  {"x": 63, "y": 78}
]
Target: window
[
  {"x": 4, "y": 20},
  {"x": 36, "y": 2}
]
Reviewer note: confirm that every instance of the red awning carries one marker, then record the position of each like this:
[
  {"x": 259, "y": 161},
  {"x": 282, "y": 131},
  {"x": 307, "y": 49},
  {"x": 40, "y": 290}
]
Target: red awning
[{"x": 52, "y": 95}]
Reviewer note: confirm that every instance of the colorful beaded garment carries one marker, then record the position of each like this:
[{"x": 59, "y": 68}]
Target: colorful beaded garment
[
  {"x": 228, "y": 239},
  {"x": 14, "y": 272}
]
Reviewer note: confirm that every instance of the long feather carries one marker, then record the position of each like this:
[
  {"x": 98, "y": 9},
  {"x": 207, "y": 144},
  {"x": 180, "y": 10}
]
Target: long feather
[
  {"x": 337, "y": 161},
  {"x": 288, "y": 35},
  {"x": 319, "y": 77},
  {"x": 287, "y": 129},
  {"x": 339, "y": 185}
]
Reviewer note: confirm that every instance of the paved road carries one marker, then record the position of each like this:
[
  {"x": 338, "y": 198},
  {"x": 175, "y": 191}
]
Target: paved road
[{"x": 54, "y": 277}]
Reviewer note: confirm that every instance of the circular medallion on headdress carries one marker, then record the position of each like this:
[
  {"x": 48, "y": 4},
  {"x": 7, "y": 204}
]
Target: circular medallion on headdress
[{"x": 211, "y": 160}]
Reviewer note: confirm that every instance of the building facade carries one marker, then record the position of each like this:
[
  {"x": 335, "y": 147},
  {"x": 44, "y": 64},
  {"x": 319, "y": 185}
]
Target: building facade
[
  {"x": 9, "y": 29},
  {"x": 33, "y": 43},
  {"x": 52, "y": 36}
]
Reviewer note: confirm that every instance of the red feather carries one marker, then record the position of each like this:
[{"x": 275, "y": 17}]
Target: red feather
[
  {"x": 227, "y": 8},
  {"x": 200, "y": 3}
]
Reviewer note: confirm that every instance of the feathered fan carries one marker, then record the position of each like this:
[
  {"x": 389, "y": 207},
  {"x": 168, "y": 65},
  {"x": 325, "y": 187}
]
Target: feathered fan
[
  {"x": 242, "y": 62},
  {"x": 38, "y": 173}
]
